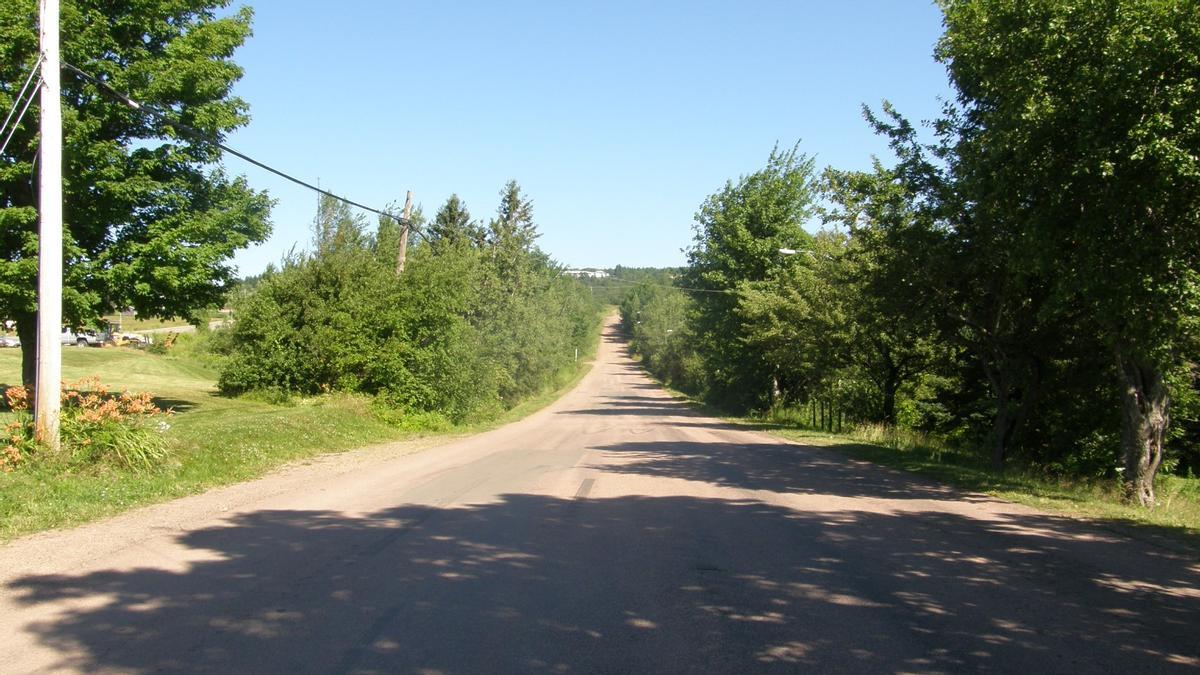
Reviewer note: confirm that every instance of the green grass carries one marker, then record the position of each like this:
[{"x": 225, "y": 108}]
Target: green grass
[
  {"x": 133, "y": 323},
  {"x": 1176, "y": 518},
  {"x": 215, "y": 440}
]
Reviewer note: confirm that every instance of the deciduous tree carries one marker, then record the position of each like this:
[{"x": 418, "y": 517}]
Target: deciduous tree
[
  {"x": 1085, "y": 116},
  {"x": 739, "y": 233},
  {"x": 151, "y": 221}
]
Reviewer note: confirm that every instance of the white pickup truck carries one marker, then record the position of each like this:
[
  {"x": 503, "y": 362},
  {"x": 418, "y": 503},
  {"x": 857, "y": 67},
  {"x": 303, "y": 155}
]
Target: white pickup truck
[{"x": 84, "y": 338}]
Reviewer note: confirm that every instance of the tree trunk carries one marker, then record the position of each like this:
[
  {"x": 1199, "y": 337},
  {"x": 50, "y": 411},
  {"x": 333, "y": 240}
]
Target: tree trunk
[
  {"x": 27, "y": 332},
  {"x": 1007, "y": 417},
  {"x": 1145, "y": 407},
  {"x": 890, "y": 385},
  {"x": 1002, "y": 430}
]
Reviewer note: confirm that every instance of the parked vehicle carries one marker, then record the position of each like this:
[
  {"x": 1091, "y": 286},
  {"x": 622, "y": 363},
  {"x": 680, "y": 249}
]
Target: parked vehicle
[
  {"x": 84, "y": 338},
  {"x": 130, "y": 339},
  {"x": 10, "y": 341}
]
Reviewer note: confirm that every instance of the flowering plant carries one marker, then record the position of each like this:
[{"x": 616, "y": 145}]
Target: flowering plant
[{"x": 96, "y": 426}]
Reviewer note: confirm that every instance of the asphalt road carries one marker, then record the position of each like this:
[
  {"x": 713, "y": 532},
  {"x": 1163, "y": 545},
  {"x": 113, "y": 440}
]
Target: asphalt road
[{"x": 614, "y": 532}]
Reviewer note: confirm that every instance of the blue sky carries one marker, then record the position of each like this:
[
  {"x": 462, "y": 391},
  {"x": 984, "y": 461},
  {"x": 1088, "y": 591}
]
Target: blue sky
[{"x": 617, "y": 118}]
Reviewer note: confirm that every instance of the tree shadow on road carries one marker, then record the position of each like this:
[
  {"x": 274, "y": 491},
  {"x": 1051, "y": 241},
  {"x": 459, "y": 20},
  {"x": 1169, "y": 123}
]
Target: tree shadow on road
[
  {"x": 627, "y": 584},
  {"x": 775, "y": 466},
  {"x": 634, "y": 404},
  {"x": 626, "y": 408}
]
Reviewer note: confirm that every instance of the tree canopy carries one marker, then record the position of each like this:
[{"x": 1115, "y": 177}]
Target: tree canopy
[
  {"x": 151, "y": 220},
  {"x": 1022, "y": 280},
  {"x": 740, "y": 234},
  {"x": 1080, "y": 126},
  {"x": 470, "y": 328}
]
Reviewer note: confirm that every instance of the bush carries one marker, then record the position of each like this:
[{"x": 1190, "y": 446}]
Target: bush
[
  {"x": 410, "y": 421},
  {"x": 97, "y": 427},
  {"x": 471, "y": 328}
]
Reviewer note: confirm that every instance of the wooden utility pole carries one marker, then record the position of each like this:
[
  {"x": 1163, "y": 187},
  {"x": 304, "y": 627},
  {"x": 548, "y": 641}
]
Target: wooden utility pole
[
  {"x": 402, "y": 252},
  {"x": 47, "y": 399}
]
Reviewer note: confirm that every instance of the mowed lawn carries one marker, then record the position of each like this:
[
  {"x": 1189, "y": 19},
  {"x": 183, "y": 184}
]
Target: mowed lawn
[{"x": 216, "y": 440}]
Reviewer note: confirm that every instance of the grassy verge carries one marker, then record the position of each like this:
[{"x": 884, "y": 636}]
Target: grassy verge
[
  {"x": 1179, "y": 498},
  {"x": 1177, "y": 517},
  {"x": 215, "y": 440}
]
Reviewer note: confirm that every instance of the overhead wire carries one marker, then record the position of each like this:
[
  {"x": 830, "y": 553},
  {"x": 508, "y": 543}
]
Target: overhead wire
[
  {"x": 17, "y": 103},
  {"x": 167, "y": 118},
  {"x": 12, "y": 132},
  {"x": 21, "y": 95}
]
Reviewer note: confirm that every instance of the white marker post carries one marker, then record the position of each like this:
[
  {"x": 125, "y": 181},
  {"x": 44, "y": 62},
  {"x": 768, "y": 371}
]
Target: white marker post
[{"x": 50, "y": 267}]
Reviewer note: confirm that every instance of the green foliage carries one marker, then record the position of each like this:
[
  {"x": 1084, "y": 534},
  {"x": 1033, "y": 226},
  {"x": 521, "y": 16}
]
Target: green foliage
[
  {"x": 739, "y": 234},
  {"x": 1078, "y": 133},
  {"x": 469, "y": 329},
  {"x": 452, "y": 225},
  {"x": 1023, "y": 286},
  {"x": 655, "y": 316},
  {"x": 97, "y": 428},
  {"x": 152, "y": 221},
  {"x": 613, "y": 289}
]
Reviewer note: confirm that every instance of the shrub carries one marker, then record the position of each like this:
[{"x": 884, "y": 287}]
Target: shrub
[{"x": 464, "y": 333}]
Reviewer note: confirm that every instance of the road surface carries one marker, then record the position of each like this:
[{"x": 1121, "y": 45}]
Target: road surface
[{"x": 614, "y": 532}]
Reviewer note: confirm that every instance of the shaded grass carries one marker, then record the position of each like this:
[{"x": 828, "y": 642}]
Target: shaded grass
[
  {"x": 1179, "y": 498},
  {"x": 1099, "y": 500},
  {"x": 1176, "y": 518},
  {"x": 215, "y": 440}
]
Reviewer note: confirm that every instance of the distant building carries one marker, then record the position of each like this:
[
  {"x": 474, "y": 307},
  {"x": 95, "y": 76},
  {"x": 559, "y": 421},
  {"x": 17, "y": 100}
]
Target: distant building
[{"x": 589, "y": 274}]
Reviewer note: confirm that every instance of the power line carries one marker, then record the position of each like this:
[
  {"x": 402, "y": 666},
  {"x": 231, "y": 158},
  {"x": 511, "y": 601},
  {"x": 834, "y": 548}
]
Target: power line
[
  {"x": 12, "y": 132},
  {"x": 17, "y": 100},
  {"x": 166, "y": 117},
  {"x": 17, "y": 103}
]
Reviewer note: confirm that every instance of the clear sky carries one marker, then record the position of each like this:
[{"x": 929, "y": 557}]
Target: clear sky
[{"x": 617, "y": 118}]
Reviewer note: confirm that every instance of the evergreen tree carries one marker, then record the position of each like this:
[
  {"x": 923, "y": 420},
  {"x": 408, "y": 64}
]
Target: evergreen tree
[
  {"x": 452, "y": 224},
  {"x": 513, "y": 225}
]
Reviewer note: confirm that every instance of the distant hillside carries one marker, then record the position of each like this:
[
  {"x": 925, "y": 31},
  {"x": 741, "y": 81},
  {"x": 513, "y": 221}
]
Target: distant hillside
[{"x": 611, "y": 285}]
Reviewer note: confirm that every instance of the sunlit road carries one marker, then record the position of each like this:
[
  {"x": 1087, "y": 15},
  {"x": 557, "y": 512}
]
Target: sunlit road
[{"x": 615, "y": 532}]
